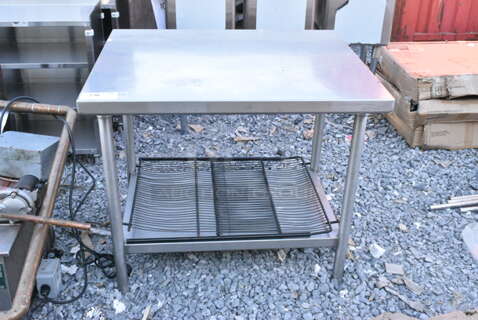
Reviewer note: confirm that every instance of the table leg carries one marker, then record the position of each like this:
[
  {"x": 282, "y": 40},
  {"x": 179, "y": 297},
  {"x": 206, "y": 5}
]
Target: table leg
[
  {"x": 128, "y": 133},
  {"x": 114, "y": 204},
  {"x": 319, "y": 128},
  {"x": 349, "y": 193},
  {"x": 363, "y": 53}
]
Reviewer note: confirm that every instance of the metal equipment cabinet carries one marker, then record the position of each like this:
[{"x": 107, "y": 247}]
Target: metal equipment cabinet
[
  {"x": 47, "y": 49},
  {"x": 14, "y": 239},
  {"x": 177, "y": 204},
  {"x": 320, "y": 13},
  {"x": 229, "y": 17},
  {"x": 110, "y": 16}
]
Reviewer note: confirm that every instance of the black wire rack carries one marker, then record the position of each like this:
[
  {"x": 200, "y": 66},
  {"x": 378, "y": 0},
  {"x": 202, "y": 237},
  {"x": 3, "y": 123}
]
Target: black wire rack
[{"x": 233, "y": 198}]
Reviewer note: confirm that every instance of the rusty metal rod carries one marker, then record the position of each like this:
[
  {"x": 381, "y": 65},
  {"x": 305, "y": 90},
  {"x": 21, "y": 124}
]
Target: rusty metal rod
[
  {"x": 27, "y": 107},
  {"x": 48, "y": 221},
  {"x": 55, "y": 222},
  {"x": 21, "y": 302}
]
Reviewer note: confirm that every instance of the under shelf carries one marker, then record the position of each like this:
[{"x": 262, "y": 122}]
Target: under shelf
[
  {"x": 43, "y": 55},
  {"x": 225, "y": 204},
  {"x": 59, "y": 93}
]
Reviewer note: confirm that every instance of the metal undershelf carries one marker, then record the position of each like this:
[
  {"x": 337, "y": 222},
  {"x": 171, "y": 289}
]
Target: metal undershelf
[
  {"x": 61, "y": 93},
  {"x": 43, "y": 55},
  {"x": 225, "y": 204}
]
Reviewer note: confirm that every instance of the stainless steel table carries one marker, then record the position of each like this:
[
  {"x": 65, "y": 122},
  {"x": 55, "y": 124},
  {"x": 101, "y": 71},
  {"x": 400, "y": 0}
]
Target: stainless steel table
[{"x": 229, "y": 72}]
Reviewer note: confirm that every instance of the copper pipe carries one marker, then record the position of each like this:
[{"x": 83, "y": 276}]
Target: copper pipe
[
  {"x": 55, "y": 222},
  {"x": 27, "y": 107},
  {"x": 47, "y": 221},
  {"x": 8, "y": 179},
  {"x": 22, "y": 300}
]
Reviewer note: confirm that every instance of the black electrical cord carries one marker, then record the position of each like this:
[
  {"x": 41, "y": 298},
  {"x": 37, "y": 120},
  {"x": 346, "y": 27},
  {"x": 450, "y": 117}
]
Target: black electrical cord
[
  {"x": 11, "y": 102},
  {"x": 103, "y": 261},
  {"x": 81, "y": 257}
]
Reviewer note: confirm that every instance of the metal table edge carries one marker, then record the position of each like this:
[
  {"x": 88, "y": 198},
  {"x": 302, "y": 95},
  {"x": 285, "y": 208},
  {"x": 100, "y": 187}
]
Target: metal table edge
[
  {"x": 111, "y": 107},
  {"x": 329, "y": 240}
]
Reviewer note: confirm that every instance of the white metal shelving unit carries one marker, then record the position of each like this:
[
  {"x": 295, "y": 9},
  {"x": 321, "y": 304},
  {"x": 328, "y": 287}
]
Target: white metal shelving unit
[{"x": 48, "y": 49}]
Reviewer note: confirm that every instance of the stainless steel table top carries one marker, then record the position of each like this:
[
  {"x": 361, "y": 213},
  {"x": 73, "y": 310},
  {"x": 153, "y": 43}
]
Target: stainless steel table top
[
  {"x": 230, "y": 71},
  {"x": 27, "y": 12}
]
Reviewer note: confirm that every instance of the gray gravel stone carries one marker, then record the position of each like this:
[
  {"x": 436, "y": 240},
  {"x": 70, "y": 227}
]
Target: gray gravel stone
[
  {"x": 254, "y": 284},
  {"x": 308, "y": 316}
]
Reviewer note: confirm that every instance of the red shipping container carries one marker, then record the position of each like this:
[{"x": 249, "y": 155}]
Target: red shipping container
[{"x": 435, "y": 20}]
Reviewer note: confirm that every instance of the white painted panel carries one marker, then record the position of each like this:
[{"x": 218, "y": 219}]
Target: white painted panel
[
  {"x": 361, "y": 21},
  {"x": 286, "y": 15},
  {"x": 200, "y": 14}
]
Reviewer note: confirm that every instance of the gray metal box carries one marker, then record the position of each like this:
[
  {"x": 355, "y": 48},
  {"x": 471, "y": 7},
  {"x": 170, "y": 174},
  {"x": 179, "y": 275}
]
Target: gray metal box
[
  {"x": 49, "y": 274},
  {"x": 26, "y": 153},
  {"x": 14, "y": 240}
]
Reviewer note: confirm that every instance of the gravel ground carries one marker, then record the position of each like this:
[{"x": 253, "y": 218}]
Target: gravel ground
[{"x": 396, "y": 187}]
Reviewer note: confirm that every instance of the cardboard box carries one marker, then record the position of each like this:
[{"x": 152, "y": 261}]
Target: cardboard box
[
  {"x": 459, "y": 110},
  {"x": 413, "y": 136},
  {"x": 433, "y": 124},
  {"x": 438, "y": 135},
  {"x": 405, "y": 108},
  {"x": 450, "y": 135},
  {"x": 431, "y": 70}
]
